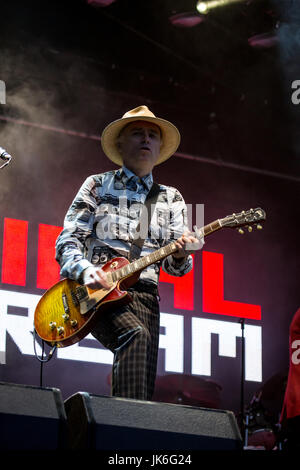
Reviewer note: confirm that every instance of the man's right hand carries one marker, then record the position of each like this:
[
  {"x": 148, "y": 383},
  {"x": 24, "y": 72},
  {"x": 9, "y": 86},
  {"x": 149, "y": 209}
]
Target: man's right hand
[{"x": 95, "y": 278}]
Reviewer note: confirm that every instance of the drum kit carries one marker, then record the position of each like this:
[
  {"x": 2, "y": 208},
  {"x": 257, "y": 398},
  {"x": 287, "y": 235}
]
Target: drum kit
[{"x": 261, "y": 416}]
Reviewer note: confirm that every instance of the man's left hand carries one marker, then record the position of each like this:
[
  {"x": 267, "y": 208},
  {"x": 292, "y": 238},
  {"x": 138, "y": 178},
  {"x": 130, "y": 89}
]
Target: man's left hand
[{"x": 181, "y": 242}]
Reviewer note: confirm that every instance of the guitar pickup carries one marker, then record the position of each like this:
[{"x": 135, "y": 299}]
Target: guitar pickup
[
  {"x": 74, "y": 298},
  {"x": 79, "y": 295},
  {"x": 65, "y": 303}
]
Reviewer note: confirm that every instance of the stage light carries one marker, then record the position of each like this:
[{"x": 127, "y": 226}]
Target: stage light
[
  {"x": 186, "y": 19},
  {"x": 205, "y": 7},
  {"x": 264, "y": 41},
  {"x": 100, "y": 3},
  {"x": 202, "y": 7}
]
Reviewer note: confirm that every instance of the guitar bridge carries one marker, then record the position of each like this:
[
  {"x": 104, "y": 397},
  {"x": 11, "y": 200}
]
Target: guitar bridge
[{"x": 81, "y": 293}]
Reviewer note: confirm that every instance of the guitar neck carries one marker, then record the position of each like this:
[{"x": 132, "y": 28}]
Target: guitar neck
[{"x": 159, "y": 254}]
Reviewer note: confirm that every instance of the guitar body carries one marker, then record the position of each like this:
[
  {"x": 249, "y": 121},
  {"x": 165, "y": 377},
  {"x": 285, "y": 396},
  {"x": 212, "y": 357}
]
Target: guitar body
[{"x": 68, "y": 311}]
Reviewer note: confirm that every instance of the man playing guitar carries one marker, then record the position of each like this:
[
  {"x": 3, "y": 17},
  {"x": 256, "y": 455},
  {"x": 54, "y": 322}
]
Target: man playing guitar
[{"x": 100, "y": 225}]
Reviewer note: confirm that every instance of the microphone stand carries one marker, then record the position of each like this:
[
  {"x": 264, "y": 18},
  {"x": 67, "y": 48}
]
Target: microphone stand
[
  {"x": 242, "y": 322},
  {"x": 4, "y": 164},
  {"x": 4, "y": 156}
]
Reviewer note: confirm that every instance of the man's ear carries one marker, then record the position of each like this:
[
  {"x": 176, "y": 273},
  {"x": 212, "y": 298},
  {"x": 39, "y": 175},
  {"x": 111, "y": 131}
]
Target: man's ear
[
  {"x": 119, "y": 143},
  {"x": 161, "y": 138}
]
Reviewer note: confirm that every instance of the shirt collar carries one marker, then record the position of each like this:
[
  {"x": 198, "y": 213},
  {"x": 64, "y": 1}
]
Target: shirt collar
[{"x": 125, "y": 174}]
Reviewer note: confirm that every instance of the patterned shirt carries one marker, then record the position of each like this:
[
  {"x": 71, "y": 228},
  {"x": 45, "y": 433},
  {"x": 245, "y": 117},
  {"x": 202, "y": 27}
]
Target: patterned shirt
[{"x": 102, "y": 220}]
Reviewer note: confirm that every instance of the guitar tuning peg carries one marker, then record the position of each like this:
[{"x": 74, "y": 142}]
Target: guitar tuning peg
[
  {"x": 259, "y": 227},
  {"x": 249, "y": 228},
  {"x": 241, "y": 231}
]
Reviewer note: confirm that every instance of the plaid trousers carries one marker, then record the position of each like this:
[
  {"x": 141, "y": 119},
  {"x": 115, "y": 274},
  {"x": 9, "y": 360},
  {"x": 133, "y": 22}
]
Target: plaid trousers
[{"x": 132, "y": 334}]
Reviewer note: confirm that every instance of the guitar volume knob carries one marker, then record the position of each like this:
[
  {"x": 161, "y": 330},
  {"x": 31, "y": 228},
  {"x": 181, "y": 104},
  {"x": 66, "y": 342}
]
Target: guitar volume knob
[
  {"x": 60, "y": 330},
  {"x": 52, "y": 325},
  {"x": 74, "y": 323}
]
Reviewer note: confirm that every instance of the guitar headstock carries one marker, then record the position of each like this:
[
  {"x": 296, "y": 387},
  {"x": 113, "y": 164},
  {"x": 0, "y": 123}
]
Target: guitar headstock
[{"x": 245, "y": 219}]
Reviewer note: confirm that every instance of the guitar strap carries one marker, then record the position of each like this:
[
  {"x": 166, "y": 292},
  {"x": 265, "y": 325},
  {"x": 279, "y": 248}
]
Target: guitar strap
[{"x": 137, "y": 243}]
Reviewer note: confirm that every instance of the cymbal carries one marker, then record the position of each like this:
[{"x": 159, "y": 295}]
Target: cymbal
[
  {"x": 266, "y": 404},
  {"x": 271, "y": 394},
  {"x": 274, "y": 387},
  {"x": 187, "y": 390}
]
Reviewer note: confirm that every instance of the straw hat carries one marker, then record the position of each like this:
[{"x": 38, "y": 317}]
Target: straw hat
[{"x": 170, "y": 134}]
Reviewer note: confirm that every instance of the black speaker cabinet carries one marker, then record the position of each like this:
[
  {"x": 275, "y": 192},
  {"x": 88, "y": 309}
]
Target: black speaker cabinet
[
  {"x": 32, "y": 418},
  {"x": 110, "y": 423}
]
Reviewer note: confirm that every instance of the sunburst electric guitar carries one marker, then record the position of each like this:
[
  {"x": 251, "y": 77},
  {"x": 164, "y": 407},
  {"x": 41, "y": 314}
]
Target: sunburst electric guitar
[{"x": 69, "y": 311}]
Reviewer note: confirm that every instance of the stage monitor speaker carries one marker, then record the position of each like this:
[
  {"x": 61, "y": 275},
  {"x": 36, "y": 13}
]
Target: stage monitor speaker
[
  {"x": 110, "y": 423},
  {"x": 32, "y": 418}
]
